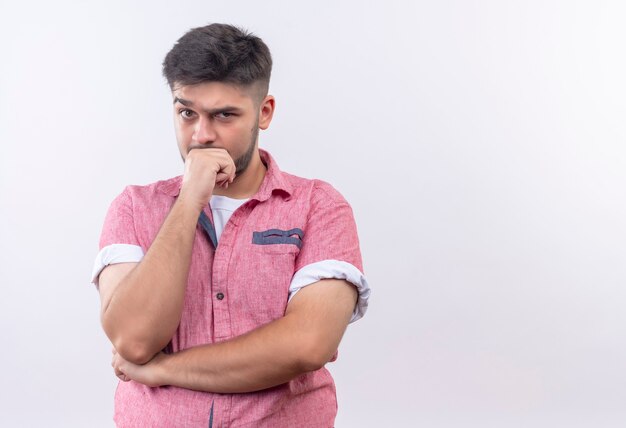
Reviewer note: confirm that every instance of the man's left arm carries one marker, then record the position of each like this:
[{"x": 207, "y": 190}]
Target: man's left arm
[{"x": 304, "y": 340}]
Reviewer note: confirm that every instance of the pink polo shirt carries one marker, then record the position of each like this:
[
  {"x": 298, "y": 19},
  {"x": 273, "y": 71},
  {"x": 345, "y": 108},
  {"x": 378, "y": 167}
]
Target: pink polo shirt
[{"x": 291, "y": 233}]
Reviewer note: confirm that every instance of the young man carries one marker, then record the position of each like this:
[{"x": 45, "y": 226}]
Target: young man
[{"x": 226, "y": 290}]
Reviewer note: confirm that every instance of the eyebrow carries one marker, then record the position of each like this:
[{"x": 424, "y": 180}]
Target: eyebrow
[{"x": 217, "y": 110}]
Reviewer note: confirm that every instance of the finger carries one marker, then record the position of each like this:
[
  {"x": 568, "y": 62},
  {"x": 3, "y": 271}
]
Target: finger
[
  {"x": 222, "y": 178},
  {"x": 227, "y": 166},
  {"x": 119, "y": 373},
  {"x": 123, "y": 377}
]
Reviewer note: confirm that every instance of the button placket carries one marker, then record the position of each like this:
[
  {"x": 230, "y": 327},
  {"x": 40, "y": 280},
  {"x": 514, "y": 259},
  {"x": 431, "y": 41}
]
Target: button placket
[{"x": 221, "y": 310}]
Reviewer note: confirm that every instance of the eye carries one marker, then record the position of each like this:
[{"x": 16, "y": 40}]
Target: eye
[
  {"x": 186, "y": 113},
  {"x": 224, "y": 115}
]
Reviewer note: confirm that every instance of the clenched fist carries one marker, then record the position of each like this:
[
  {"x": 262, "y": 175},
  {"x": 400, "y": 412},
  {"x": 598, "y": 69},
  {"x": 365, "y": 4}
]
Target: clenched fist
[{"x": 204, "y": 169}]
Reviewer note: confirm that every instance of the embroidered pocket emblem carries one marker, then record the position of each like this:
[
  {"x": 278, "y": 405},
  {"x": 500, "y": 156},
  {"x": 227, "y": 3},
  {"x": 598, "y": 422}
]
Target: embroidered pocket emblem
[{"x": 278, "y": 236}]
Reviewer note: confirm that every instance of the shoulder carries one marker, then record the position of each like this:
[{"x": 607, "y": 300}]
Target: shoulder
[
  {"x": 166, "y": 188},
  {"x": 147, "y": 198},
  {"x": 314, "y": 190},
  {"x": 136, "y": 214}
]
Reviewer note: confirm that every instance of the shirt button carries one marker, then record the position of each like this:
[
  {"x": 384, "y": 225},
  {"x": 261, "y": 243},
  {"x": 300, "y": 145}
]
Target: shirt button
[{"x": 219, "y": 296}]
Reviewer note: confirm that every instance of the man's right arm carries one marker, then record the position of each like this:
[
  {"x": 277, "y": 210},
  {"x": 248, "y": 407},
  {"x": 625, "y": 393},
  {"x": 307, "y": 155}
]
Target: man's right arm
[{"x": 142, "y": 302}]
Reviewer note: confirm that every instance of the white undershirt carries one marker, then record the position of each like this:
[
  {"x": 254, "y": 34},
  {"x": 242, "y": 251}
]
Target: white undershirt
[{"x": 222, "y": 208}]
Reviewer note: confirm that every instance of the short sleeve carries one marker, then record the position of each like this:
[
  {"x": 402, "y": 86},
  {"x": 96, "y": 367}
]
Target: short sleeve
[
  {"x": 118, "y": 239},
  {"x": 330, "y": 232},
  {"x": 119, "y": 225},
  {"x": 330, "y": 246}
]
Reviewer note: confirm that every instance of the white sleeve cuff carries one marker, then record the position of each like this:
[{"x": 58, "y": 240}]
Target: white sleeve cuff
[
  {"x": 115, "y": 253},
  {"x": 337, "y": 269}
]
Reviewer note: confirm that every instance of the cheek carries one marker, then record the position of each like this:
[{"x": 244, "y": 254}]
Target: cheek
[
  {"x": 244, "y": 129},
  {"x": 229, "y": 133},
  {"x": 183, "y": 132}
]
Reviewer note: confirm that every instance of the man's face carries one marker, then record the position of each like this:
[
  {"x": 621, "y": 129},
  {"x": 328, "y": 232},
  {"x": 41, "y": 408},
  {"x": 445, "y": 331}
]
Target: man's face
[{"x": 217, "y": 115}]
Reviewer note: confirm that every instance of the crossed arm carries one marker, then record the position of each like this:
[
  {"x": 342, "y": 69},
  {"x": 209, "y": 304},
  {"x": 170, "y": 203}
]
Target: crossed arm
[
  {"x": 142, "y": 305},
  {"x": 301, "y": 341}
]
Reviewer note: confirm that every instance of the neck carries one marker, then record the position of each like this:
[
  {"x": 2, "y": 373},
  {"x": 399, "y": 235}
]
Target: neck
[{"x": 246, "y": 184}]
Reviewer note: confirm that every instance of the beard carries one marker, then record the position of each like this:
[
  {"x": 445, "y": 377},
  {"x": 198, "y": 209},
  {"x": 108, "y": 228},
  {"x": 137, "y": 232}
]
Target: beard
[{"x": 242, "y": 162}]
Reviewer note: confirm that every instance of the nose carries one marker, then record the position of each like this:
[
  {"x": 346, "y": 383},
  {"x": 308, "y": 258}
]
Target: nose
[{"x": 204, "y": 132}]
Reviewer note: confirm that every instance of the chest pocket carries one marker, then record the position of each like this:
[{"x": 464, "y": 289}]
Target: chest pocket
[
  {"x": 269, "y": 268},
  {"x": 278, "y": 241}
]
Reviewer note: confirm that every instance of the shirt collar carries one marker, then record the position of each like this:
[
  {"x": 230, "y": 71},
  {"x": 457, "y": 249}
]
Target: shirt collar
[{"x": 274, "y": 181}]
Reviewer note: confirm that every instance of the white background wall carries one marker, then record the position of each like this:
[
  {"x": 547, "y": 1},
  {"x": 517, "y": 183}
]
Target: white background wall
[{"x": 481, "y": 144}]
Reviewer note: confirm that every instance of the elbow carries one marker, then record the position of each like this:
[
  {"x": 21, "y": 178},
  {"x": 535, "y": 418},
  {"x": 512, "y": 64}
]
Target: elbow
[
  {"x": 131, "y": 349},
  {"x": 128, "y": 344},
  {"x": 134, "y": 351},
  {"x": 314, "y": 355}
]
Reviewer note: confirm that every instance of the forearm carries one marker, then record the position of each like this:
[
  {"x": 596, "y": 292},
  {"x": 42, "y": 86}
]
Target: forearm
[
  {"x": 302, "y": 341},
  {"x": 268, "y": 356},
  {"x": 146, "y": 307}
]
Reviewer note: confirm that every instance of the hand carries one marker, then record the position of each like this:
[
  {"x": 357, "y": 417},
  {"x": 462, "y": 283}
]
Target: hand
[
  {"x": 205, "y": 168},
  {"x": 149, "y": 374}
]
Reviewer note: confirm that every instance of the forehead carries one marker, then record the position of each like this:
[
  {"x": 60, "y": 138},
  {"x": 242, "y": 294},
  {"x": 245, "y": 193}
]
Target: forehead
[{"x": 210, "y": 95}]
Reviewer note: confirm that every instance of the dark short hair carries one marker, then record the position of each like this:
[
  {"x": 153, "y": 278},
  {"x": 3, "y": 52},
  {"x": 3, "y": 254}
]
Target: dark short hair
[{"x": 219, "y": 53}]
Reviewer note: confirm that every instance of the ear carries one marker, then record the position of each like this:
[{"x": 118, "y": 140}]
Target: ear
[{"x": 266, "y": 111}]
